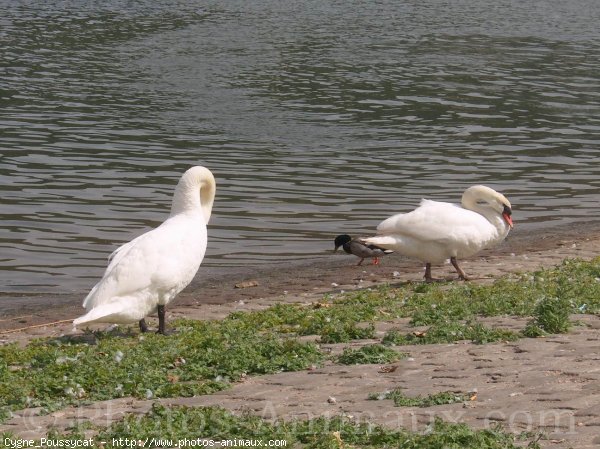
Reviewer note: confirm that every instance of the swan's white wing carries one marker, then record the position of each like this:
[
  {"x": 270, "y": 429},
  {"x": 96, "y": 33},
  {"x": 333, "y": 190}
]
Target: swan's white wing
[
  {"x": 118, "y": 253},
  {"x": 153, "y": 264},
  {"x": 113, "y": 260},
  {"x": 434, "y": 221},
  {"x": 122, "y": 278}
]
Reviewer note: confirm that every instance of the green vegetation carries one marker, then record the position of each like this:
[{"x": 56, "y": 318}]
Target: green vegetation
[
  {"x": 369, "y": 354},
  {"x": 335, "y": 321},
  {"x": 203, "y": 357},
  {"x": 177, "y": 423},
  {"x": 400, "y": 400},
  {"x": 551, "y": 316},
  {"x": 548, "y": 296},
  {"x": 450, "y": 331}
]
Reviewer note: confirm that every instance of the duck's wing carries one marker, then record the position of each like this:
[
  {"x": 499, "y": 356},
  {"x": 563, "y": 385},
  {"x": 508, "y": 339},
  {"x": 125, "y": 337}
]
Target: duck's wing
[
  {"x": 378, "y": 251},
  {"x": 360, "y": 249}
]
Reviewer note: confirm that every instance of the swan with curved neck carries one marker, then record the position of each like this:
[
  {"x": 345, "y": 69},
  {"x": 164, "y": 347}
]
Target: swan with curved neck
[
  {"x": 437, "y": 231},
  {"x": 146, "y": 274}
]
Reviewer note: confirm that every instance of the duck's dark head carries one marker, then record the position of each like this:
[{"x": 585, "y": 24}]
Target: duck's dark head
[{"x": 341, "y": 240}]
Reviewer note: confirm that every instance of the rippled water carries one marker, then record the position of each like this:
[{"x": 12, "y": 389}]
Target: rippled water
[{"x": 316, "y": 118}]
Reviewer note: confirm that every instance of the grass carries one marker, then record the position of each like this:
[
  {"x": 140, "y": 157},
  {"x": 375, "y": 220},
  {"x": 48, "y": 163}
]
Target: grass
[
  {"x": 206, "y": 356},
  {"x": 178, "y": 423},
  {"x": 400, "y": 400},
  {"x": 349, "y": 317},
  {"x": 551, "y": 316},
  {"x": 577, "y": 283},
  {"x": 375, "y": 353},
  {"x": 450, "y": 331},
  {"x": 337, "y": 321},
  {"x": 203, "y": 357}
]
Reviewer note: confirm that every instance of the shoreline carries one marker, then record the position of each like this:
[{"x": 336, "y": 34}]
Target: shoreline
[
  {"x": 552, "y": 380},
  {"x": 547, "y": 246}
]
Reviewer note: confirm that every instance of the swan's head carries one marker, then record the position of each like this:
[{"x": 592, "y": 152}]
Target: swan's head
[
  {"x": 341, "y": 240},
  {"x": 196, "y": 189},
  {"x": 483, "y": 196}
]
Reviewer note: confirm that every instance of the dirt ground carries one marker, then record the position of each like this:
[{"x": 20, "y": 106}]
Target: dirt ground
[{"x": 547, "y": 384}]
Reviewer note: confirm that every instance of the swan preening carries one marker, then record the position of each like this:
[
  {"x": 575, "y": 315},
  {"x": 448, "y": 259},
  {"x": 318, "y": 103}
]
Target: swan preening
[
  {"x": 145, "y": 274},
  {"x": 360, "y": 249},
  {"x": 437, "y": 231}
]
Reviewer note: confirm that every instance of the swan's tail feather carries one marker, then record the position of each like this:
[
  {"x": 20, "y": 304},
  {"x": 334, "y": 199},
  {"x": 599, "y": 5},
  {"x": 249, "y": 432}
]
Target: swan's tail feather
[{"x": 123, "y": 311}]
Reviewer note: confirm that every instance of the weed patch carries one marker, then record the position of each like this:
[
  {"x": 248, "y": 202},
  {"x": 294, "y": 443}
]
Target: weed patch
[
  {"x": 369, "y": 354},
  {"x": 401, "y": 400},
  {"x": 551, "y": 316},
  {"x": 203, "y": 357},
  {"x": 172, "y": 425},
  {"x": 449, "y": 332}
]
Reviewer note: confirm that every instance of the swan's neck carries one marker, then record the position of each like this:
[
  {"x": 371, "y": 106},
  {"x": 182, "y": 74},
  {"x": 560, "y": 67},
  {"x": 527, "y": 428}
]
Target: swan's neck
[
  {"x": 195, "y": 192},
  {"x": 495, "y": 219},
  {"x": 498, "y": 222}
]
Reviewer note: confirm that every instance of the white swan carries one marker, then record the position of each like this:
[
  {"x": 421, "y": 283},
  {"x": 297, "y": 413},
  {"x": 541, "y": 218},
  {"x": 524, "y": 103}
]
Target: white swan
[
  {"x": 436, "y": 231},
  {"x": 145, "y": 274}
]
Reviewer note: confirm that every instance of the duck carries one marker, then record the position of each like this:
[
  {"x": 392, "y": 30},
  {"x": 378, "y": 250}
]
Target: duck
[
  {"x": 144, "y": 275},
  {"x": 360, "y": 249},
  {"x": 437, "y": 231}
]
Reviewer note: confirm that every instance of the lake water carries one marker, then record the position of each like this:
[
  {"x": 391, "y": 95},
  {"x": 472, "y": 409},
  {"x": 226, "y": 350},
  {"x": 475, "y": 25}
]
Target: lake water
[{"x": 316, "y": 118}]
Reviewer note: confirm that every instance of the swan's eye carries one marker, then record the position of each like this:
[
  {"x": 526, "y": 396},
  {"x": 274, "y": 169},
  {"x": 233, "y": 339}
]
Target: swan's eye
[{"x": 507, "y": 210}]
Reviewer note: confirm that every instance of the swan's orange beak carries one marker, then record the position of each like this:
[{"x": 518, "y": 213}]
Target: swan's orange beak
[{"x": 508, "y": 219}]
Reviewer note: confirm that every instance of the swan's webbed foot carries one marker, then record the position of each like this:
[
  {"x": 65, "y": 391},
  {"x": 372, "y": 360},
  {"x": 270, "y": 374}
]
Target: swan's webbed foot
[
  {"x": 461, "y": 274},
  {"x": 143, "y": 325}
]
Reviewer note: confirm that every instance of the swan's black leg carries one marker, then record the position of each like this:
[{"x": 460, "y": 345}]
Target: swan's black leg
[
  {"x": 161, "y": 320},
  {"x": 461, "y": 274},
  {"x": 360, "y": 262},
  {"x": 428, "y": 277},
  {"x": 143, "y": 325}
]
